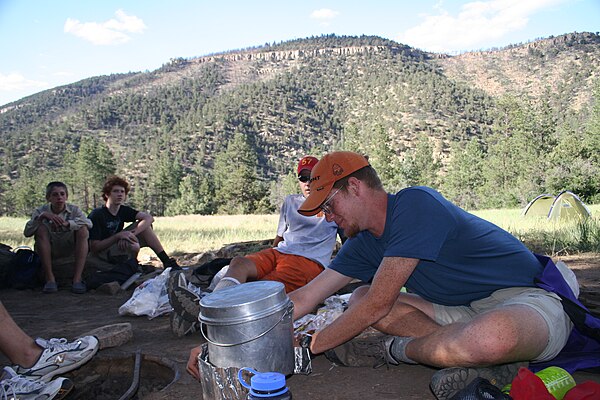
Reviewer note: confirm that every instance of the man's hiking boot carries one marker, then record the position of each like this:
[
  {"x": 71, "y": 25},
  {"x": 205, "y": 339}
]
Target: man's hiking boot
[
  {"x": 446, "y": 382},
  {"x": 369, "y": 349},
  {"x": 185, "y": 303},
  {"x": 15, "y": 386},
  {"x": 59, "y": 356}
]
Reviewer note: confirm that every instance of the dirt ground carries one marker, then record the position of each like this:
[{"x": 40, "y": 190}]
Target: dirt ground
[{"x": 68, "y": 315}]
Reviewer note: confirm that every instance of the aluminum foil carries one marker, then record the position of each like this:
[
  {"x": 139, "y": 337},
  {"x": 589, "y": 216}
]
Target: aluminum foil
[{"x": 219, "y": 383}]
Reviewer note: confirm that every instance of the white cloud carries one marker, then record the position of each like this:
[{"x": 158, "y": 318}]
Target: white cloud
[
  {"x": 16, "y": 82},
  {"x": 113, "y": 31},
  {"x": 477, "y": 23},
  {"x": 325, "y": 15}
]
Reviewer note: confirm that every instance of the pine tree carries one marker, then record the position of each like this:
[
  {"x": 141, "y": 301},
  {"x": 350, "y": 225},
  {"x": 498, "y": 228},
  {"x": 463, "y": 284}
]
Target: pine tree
[
  {"x": 237, "y": 186},
  {"x": 464, "y": 179},
  {"x": 163, "y": 182},
  {"x": 420, "y": 166},
  {"x": 383, "y": 159},
  {"x": 591, "y": 140},
  {"x": 86, "y": 170},
  {"x": 196, "y": 196},
  {"x": 28, "y": 191},
  {"x": 516, "y": 164},
  {"x": 282, "y": 187},
  {"x": 575, "y": 163}
]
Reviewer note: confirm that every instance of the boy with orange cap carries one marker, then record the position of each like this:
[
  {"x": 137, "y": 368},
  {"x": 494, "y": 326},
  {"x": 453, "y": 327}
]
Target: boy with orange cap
[{"x": 301, "y": 250}]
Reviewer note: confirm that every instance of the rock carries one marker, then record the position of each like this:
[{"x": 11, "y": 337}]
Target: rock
[
  {"x": 203, "y": 257},
  {"x": 111, "y": 288},
  {"x": 112, "y": 335}
]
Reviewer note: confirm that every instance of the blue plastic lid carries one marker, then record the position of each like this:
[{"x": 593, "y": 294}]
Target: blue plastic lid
[
  {"x": 268, "y": 381},
  {"x": 263, "y": 384}
]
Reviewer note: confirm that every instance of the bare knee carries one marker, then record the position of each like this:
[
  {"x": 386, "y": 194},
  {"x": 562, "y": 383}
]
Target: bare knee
[
  {"x": 358, "y": 294},
  {"x": 238, "y": 262},
  {"x": 42, "y": 234},
  {"x": 134, "y": 248},
  {"x": 242, "y": 268},
  {"x": 493, "y": 342},
  {"x": 82, "y": 234},
  {"x": 148, "y": 234}
]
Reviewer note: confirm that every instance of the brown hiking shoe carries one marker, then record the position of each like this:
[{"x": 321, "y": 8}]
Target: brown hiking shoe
[
  {"x": 446, "y": 382},
  {"x": 185, "y": 303},
  {"x": 365, "y": 350}
]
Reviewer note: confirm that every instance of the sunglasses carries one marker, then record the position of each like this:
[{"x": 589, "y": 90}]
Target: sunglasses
[{"x": 303, "y": 178}]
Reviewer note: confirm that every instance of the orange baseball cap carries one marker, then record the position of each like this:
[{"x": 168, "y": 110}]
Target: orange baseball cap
[
  {"x": 332, "y": 167},
  {"x": 308, "y": 163}
]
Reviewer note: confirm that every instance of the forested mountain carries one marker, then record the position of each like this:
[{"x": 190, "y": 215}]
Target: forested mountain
[{"x": 221, "y": 133}]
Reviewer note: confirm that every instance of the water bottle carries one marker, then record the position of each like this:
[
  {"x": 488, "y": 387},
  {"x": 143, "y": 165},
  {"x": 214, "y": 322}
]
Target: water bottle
[
  {"x": 129, "y": 281},
  {"x": 557, "y": 381},
  {"x": 265, "y": 385}
]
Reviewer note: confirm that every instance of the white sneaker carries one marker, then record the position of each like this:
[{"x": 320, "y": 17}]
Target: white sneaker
[
  {"x": 59, "y": 356},
  {"x": 15, "y": 386}
]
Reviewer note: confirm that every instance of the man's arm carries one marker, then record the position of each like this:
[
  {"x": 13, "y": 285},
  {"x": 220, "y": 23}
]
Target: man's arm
[
  {"x": 391, "y": 275},
  {"x": 307, "y": 298},
  {"x": 144, "y": 221},
  {"x": 32, "y": 225},
  {"x": 277, "y": 240},
  {"x": 78, "y": 219}
]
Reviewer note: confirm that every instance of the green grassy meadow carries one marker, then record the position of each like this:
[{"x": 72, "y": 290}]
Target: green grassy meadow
[{"x": 199, "y": 233}]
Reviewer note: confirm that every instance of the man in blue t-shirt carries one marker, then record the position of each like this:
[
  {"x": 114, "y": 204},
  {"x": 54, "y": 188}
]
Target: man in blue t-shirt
[{"x": 472, "y": 306}]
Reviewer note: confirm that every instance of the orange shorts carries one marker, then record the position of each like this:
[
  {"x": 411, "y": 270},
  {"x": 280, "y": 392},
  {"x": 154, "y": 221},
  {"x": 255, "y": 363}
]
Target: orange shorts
[{"x": 291, "y": 270}]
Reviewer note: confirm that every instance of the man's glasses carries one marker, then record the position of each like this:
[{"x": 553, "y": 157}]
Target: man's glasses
[
  {"x": 303, "y": 178},
  {"x": 325, "y": 207}
]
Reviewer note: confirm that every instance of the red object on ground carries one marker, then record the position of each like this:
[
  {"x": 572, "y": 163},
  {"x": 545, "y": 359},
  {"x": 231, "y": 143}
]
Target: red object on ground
[
  {"x": 587, "y": 390},
  {"x": 529, "y": 386}
]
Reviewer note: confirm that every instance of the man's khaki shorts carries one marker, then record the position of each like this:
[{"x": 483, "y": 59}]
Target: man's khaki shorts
[
  {"x": 62, "y": 243},
  {"x": 547, "y": 304}
]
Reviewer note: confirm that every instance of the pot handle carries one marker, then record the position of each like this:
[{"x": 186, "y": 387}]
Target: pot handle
[{"x": 289, "y": 309}]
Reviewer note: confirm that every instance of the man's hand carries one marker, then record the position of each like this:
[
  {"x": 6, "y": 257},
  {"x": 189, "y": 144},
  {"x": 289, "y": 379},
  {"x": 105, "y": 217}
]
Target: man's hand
[
  {"x": 126, "y": 239},
  {"x": 315, "y": 349},
  {"x": 192, "y": 365},
  {"x": 56, "y": 222}
]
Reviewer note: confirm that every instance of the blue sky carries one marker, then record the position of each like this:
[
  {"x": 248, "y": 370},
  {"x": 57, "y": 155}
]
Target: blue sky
[{"x": 47, "y": 43}]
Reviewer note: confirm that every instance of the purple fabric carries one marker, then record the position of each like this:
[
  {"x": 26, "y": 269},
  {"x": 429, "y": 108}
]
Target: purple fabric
[{"x": 583, "y": 346}]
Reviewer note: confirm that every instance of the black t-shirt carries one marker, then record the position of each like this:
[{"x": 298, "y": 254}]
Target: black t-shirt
[{"x": 106, "y": 224}]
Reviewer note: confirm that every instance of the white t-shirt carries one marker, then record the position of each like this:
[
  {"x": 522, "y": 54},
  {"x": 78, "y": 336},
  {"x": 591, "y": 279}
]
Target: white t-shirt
[{"x": 310, "y": 237}]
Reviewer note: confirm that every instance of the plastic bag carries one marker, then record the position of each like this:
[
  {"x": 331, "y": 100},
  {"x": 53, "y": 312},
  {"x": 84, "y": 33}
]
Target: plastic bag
[
  {"x": 150, "y": 298},
  {"x": 311, "y": 323}
]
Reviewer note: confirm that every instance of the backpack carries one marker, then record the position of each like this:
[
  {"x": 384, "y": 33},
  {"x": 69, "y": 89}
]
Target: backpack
[
  {"x": 119, "y": 273},
  {"x": 6, "y": 265},
  {"x": 26, "y": 270},
  {"x": 207, "y": 271}
]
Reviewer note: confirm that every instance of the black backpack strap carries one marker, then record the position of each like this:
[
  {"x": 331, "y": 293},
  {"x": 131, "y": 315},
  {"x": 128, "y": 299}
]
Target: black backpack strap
[{"x": 578, "y": 316}]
